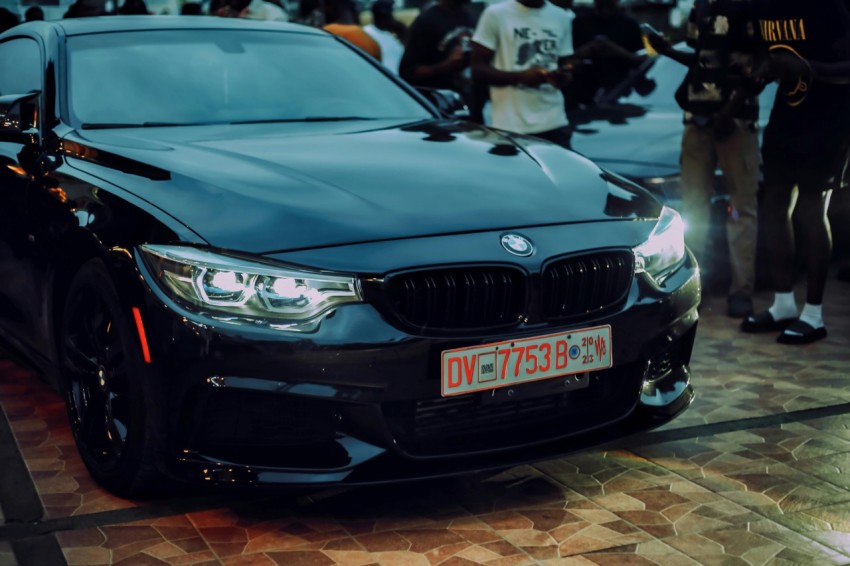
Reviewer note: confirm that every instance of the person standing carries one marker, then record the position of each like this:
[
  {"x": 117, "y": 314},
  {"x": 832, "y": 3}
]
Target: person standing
[
  {"x": 721, "y": 111},
  {"x": 521, "y": 49},
  {"x": 133, "y": 8},
  {"x": 607, "y": 22},
  {"x": 437, "y": 53},
  {"x": 249, "y": 10},
  {"x": 805, "y": 142},
  {"x": 388, "y": 32},
  {"x": 34, "y": 14},
  {"x": 342, "y": 21}
]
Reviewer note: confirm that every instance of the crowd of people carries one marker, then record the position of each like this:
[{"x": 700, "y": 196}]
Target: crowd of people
[{"x": 531, "y": 59}]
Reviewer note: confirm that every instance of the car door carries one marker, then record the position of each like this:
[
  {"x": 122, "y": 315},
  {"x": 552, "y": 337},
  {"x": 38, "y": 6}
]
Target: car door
[{"x": 21, "y": 72}]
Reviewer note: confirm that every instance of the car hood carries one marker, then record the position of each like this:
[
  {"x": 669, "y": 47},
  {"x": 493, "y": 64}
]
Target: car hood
[
  {"x": 636, "y": 142},
  {"x": 266, "y": 188}
]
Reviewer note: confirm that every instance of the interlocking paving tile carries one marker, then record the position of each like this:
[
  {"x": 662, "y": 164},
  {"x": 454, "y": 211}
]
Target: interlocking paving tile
[
  {"x": 792, "y": 443},
  {"x": 40, "y": 424},
  {"x": 829, "y": 525},
  {"x": 645, "y": 554},
  {"x": 738, "y": 376},
  {"x": 762, "y": 542},
  {"x": 759, "y": 492}
]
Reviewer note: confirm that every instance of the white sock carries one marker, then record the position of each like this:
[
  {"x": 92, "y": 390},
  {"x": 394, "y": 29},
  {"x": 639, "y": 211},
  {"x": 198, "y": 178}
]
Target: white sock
[
  {"x": 784, "y": 306},
  {"x": 812, "y": 315}
]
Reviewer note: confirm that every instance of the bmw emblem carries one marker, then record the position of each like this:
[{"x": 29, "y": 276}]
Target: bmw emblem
[{"x": 517, "y": 245}]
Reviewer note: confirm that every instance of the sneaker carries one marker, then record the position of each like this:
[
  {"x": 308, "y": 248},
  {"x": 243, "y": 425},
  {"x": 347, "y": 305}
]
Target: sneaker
[{"x": 739, "y": 306}]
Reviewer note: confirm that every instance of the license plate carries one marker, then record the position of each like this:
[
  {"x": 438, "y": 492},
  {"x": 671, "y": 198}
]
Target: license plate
[{"x": 502, "y": 364}]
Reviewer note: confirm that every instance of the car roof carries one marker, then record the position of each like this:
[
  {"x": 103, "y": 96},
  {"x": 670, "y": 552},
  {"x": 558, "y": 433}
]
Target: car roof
[{"x": 106, "y": 24}]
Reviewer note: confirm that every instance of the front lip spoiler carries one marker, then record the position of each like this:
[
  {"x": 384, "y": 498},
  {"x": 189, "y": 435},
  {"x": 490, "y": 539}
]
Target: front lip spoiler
[{"x": 388, "y": 467}]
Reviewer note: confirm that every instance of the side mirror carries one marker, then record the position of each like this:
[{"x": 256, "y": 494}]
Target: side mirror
[
  {"x": 19, "y": 118},
  {"x": 448, "y": 102}
]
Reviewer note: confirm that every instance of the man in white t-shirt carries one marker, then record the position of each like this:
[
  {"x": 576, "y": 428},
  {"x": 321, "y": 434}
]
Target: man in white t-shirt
[{"x": 521, "y": 49}]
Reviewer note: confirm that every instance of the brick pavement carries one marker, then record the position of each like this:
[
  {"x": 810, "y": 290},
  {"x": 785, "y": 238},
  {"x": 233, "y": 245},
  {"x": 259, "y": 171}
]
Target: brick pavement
[{"x": 755, "y": 472}]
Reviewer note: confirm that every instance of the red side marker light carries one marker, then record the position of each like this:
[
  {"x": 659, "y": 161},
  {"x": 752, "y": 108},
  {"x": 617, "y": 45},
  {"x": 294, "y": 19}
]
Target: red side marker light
[{"x": 143, "y": 340}]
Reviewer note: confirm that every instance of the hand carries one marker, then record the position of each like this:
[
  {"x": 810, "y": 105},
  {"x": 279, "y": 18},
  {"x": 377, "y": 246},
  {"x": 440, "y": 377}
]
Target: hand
[
  {"x": 786, "y": 66},
  {"x": 659, "y": 43},
  {"x": 533, "y": 77},
  {"x": 458, "y": 59},
  {"x": 561, "y": 77},
  {"x": 760, "y": 73},
  {"x": 595, "y": 48}
]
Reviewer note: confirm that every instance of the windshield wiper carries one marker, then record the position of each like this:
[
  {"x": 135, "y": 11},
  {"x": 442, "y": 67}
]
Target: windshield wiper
[
  {"x": 334, "y": 118},
  {"x": 116, "y": 125},
  {"x": 305, "y": 119}
]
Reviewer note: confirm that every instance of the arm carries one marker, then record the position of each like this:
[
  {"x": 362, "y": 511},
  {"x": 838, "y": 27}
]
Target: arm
[
  {"x": 415, "y": 71},
  {"x": 831, "y": 72},
  {"x": 485, "y": 41},
  {"x": 454, "y": 63},
  {"x": 784, "y": 66},
  {"x": 612, "y": 49},
  {"x": 723, "y": 122},
  {"x": 484, "y": 72},
  {"x": 663, "y": 47}
]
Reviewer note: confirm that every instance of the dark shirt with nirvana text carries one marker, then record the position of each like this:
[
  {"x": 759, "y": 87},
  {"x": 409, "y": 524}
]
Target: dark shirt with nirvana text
[
  {"x": 432, "y": 37},
  {"x": 725, "y": 42},
  {"x": 818, "y": 31}
]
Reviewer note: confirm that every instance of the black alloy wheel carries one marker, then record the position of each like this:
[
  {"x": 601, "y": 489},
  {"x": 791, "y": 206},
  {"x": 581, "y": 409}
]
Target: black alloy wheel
[{"x": 103, "y": 370}]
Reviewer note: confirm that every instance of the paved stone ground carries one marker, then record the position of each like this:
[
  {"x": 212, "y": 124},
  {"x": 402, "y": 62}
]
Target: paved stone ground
[{"x": 755, "y": 472}]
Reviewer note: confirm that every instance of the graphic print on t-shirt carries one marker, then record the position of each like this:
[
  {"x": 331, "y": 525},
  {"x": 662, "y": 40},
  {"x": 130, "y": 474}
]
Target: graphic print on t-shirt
[
  {"x": 817, "y": 32},
  {"x": 796, "y": 95},
  {"x": 536, "y": 48},
  {"x": 457, "y": 36},
  {"x": 781, "y": 33}
]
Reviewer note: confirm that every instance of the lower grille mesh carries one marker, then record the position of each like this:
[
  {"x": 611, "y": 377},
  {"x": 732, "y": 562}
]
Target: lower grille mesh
[{"x": 466, "y": 423}]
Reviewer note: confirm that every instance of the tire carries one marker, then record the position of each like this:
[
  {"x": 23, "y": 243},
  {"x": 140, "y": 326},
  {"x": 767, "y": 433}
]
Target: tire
[{"x": 104, "y": 380}]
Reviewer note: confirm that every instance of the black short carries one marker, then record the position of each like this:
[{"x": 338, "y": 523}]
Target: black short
[{"x": 811, "y": 159}]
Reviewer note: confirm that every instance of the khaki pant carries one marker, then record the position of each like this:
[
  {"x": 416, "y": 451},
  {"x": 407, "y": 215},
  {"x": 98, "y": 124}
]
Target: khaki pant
[{"x": 738, "y": 158}]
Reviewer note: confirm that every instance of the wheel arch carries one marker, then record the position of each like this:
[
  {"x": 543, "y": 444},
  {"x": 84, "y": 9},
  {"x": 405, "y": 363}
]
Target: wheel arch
[{"x": 77, "y": 248}]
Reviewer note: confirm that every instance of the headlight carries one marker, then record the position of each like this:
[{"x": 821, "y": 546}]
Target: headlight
[
  {"x": 223, "y": 286},
  {"x": 664, "y": 251}
]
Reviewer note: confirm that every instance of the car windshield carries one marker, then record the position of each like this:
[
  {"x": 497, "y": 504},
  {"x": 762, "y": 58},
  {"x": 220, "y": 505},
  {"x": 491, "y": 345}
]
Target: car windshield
[{"x": 183, "y": 77}]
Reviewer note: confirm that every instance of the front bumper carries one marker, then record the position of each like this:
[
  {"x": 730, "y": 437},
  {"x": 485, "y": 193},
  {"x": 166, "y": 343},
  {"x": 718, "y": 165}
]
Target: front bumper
[{"x": 358, "y": 400}]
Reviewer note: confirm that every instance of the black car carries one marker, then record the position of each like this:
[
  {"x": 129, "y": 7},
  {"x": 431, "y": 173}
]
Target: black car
[{"x": 247, "y": 254}]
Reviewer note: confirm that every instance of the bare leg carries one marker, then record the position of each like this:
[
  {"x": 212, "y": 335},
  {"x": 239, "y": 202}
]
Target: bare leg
[
  {"x": 817, "y": 246},
  {"x": 817, "y": 239},
  {"x": 777, "y": 206}
]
